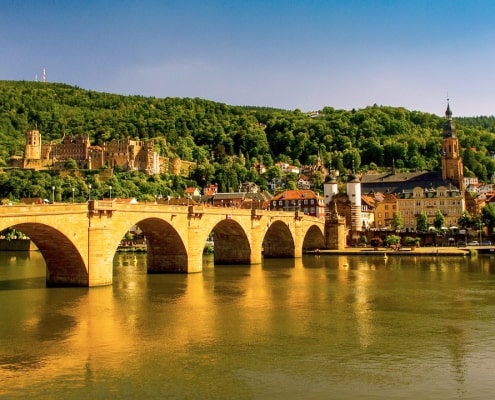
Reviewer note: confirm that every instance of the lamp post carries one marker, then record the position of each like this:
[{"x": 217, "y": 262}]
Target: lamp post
[
  {"x": 53, "y": 194},
  {"x": 73, "y": 190},
  {"x": 480, "y": 227},
  {"x": 110, "y": 192},
  {"x": 89, "y": 191}
]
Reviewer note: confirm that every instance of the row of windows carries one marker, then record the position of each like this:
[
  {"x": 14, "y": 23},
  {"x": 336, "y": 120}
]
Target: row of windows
[
  {"x": 431, "y": 203},
  {"x": 293, "y": 202},
  {"x": 66, "y": 151},
  {"x": 440, "y": 194},
  {"x": 429, "y": 212}
]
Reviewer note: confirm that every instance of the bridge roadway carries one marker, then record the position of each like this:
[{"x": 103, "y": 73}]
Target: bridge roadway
[{"x": 79, "y": 241}]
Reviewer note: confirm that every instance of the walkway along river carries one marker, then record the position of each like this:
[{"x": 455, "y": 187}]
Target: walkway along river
[{"x": 320, "y": 327}]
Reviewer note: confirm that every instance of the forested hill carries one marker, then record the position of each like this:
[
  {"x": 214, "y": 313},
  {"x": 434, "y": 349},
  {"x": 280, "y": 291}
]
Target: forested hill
[{"x": 222, "y": 136}]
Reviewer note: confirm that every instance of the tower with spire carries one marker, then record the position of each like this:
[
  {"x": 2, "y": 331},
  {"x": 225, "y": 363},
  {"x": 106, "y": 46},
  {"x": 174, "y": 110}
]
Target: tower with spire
[{"x": 452, "y": 167}]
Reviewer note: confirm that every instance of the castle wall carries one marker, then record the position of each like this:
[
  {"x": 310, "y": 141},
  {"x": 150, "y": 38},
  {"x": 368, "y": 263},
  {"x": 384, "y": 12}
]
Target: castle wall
[{"x": 126, "y": 154}]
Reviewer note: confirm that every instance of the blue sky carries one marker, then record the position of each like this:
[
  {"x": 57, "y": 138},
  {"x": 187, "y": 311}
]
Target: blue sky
[{"x": 285, "y": 54}]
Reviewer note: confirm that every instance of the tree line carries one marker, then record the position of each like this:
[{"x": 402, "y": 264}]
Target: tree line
[{"x": 228, "y": 142}]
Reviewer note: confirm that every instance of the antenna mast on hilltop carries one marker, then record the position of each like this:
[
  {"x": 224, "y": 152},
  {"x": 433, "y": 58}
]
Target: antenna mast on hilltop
[{"x": 43, "y": 79}]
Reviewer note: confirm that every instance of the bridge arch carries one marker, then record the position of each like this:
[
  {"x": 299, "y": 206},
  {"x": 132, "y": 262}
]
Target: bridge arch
[
  {"x": 231, "y": 243},
  {"x": 278, "y": 241},
  {"x": 166, "y": 251},
  {"x": 313, "y": 239},
  {"x": 65, "y": 265}
]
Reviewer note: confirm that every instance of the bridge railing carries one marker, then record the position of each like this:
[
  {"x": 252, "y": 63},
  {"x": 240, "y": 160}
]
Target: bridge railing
[{"x": 108, "y": 207}]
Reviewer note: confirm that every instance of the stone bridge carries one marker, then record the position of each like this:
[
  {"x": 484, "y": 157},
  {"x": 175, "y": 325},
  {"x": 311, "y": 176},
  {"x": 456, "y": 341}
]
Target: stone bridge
[{"x": 79, "y": 241}]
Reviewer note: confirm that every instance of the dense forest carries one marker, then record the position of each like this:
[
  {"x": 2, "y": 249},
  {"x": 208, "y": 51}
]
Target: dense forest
[{"x": 225, "y": 141}]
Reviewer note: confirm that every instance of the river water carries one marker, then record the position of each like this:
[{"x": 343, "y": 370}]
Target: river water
[{"x": 321, "y": 327}]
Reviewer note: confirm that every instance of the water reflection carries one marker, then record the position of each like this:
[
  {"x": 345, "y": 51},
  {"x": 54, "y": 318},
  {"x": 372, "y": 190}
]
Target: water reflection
[{"x": 352, "y": 327}]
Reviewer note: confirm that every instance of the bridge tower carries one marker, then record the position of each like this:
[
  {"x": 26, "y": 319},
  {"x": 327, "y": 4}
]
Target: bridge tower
[
  {"x": 354, "y": 194},
  {"x": 330, "y": 188}
]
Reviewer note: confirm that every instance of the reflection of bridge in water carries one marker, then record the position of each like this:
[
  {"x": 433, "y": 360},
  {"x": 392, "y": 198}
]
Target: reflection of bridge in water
[{"x": 78, "y": 241}]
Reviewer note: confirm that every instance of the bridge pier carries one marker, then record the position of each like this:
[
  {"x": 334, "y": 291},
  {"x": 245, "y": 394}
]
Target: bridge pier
[
  {"x": 298, "y": 236},
  {"x": 258, "y": 229},
  {"x": 100, "y": 256},
  {"x": 101, "y": 244}
]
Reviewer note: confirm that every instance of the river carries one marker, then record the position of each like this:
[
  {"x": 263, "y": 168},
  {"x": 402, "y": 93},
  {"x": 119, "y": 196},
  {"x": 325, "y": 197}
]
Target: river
[{"x": 321, "y": 327}]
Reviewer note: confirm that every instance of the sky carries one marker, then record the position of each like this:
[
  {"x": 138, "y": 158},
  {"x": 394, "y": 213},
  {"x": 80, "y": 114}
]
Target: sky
[{"x": 285, "y": 54}]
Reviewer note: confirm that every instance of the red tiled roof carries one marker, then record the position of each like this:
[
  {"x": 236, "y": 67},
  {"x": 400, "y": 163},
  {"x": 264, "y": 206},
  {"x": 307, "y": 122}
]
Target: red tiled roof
[{"x": 296, "y": 195}]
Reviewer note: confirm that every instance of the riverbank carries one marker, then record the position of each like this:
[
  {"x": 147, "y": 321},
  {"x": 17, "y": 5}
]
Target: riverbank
[
  {"x": 17, "y": 245},
  {"x": 405, "y": 251}
]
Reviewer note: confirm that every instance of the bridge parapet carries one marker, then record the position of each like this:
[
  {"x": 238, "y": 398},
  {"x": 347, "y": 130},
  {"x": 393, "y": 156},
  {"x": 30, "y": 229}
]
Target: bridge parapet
[
  {"x": 100, "y": 205},
  {"x": 43, "y": 209}
]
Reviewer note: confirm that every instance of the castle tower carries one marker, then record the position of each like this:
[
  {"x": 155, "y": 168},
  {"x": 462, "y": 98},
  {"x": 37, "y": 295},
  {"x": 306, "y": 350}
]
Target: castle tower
[
  {"x": 32, "y": 150},
  {"x": 354, "y": 195},
  {"x": 452, "y": 167}
]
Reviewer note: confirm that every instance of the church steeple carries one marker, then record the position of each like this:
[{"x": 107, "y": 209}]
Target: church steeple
[
  {"x": 448, "y": 112},
  {"x": 449, "y": 127},
  {"x": 452, "y": 167}
]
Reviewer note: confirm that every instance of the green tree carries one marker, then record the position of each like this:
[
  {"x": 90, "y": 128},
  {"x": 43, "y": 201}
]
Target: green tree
[
  {"x": 439, "y": 220},
  {"x": 465, "y": 220},
  {"x": 397, "y": 221},
  {"x": 488, "y": 217},
  {"x": 351, "y": 158},
  {"x": 422, "y": 222},
  {"x": 317, "y": 180},
  {"x": 71, "y": 164}
]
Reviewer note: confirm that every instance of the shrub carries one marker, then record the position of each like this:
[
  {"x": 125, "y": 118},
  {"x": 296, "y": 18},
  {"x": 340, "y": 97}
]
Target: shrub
[
  {"x": 392, "y": 240},
  {"x": 411, "y": 241}
]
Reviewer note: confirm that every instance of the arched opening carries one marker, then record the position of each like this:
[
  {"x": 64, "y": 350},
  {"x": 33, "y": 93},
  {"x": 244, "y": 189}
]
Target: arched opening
[
  {"x": 231, "y": 245},
  {"x": 314, "y": 239},
  {"x": 64, "y": 264},
  {"x": 278, "y": 241},
  {"x": 166, "y": 251}
]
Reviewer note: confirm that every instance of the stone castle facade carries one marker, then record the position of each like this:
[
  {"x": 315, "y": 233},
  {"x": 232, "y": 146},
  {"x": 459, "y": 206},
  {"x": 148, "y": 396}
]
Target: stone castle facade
[{"x": 130, "y": 155}]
